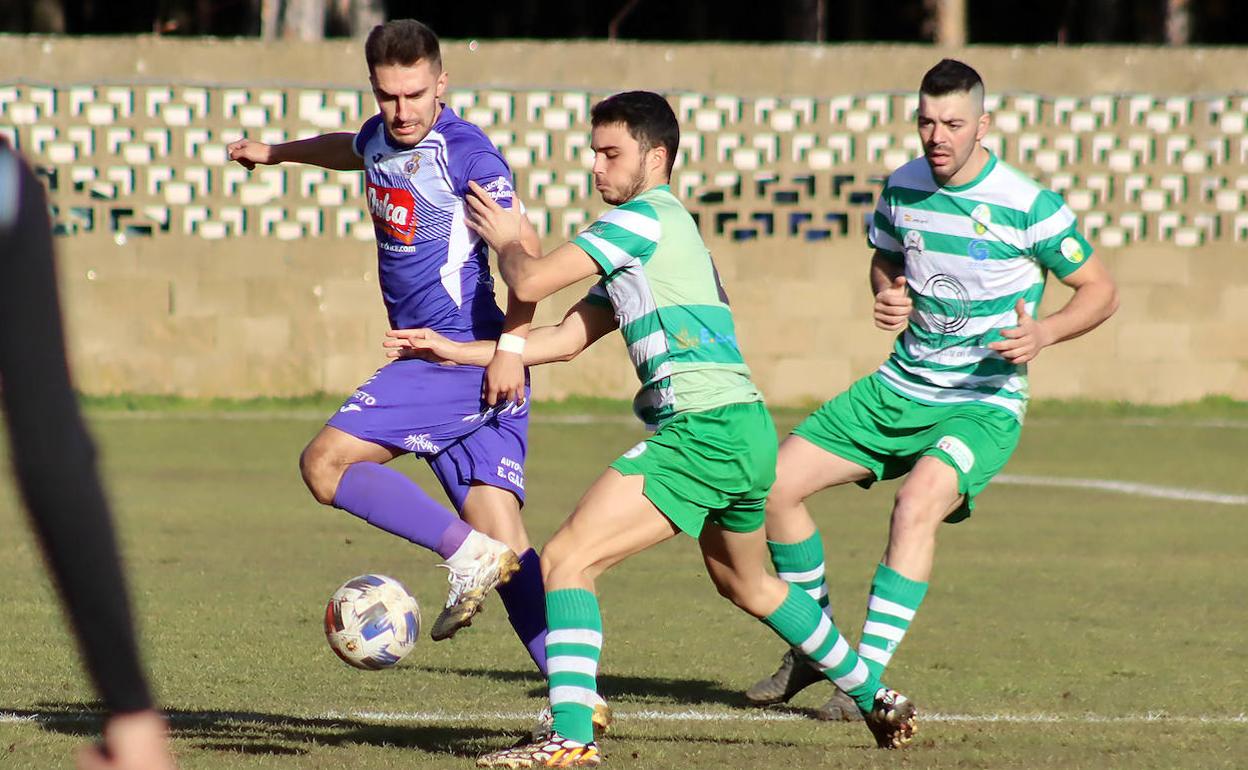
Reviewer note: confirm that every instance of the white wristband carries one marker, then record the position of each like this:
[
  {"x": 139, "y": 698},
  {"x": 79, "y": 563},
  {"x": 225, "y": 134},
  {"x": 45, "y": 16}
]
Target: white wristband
[{"x": 511, "y": 343}]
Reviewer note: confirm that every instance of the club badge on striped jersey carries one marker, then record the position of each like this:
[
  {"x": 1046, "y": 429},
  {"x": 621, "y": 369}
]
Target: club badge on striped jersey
[
  {"x": 981, "y": 215},
  {"x": 1072, "y": 250}
]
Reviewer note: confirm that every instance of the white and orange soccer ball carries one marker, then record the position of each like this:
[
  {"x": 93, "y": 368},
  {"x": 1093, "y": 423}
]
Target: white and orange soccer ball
[{"x": 372, "y": 622}]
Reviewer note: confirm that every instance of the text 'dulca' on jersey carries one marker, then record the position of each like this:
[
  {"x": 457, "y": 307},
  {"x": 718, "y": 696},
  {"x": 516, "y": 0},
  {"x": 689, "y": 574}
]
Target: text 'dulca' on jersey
[
  {"x": 433, "y": 270},
  {"x": 970, "y": 253},
  {"x": 659, "y": 279}
]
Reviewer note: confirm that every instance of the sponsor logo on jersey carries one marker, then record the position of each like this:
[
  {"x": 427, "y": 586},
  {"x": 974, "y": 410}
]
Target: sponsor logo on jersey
[
  {"x": 636, "y": 451},
  {"x": 511, "y": 470},
  {"x": 978, "y": 250},
  {"x": 420, "y": 443},
  {"x": 394, "y": 211},
  {"x": 499, "y": 188},
  {"x": 1072, "y": 250},
  {"x": 982, "y": 216},
  {"x": 950, "y": 304}
]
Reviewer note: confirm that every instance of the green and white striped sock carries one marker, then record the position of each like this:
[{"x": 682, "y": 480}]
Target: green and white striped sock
[
  {"x": 800, "y": 622},
  {"x": 890, "y": 610},
  {"x": 802, "y": 565},
  {"x": 573, "y": 647}
]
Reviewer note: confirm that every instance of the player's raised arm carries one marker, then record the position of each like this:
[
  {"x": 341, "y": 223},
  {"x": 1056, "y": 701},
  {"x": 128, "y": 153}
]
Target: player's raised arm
[
  {"x": 333, "y": 151},
  {"x": 531, "y": 276},
  {"x": 583, "y": 325}
]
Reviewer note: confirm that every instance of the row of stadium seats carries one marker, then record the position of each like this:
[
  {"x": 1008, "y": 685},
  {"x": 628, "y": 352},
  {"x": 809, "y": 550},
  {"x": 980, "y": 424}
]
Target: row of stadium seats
[
  {"x": 1036, "y": 153},
  {"x": 333, "y": 109},
  {"x": 723, "y": 219},
  {"x": 762, "y": 167},
  {"x": 557, "y": 188}
]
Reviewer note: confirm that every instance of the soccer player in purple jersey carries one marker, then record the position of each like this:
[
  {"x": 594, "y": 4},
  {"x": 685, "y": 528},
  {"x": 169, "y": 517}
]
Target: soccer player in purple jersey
[{"x": 470, "y": 424}]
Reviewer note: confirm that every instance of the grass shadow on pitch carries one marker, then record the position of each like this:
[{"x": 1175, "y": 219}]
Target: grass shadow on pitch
[
  {"x": 254, "y": 732},
  {"x": 635, "y": 689}
]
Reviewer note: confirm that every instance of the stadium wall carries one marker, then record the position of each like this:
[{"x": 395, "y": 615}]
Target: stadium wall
[{"x": 181, "y": 279}]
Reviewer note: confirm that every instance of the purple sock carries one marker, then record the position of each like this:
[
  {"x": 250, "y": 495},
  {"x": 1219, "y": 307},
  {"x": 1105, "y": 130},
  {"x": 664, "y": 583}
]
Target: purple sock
[
  {"x": 524, "y": 596},
  {"x": 391, "y": 501}
]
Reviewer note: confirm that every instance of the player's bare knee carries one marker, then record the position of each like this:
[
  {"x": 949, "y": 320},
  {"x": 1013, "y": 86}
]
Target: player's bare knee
[
  {"x": 782, "y": 500},
  {"x": 914, "y": 515},
  {"x": 560, "y": 565},
  {"x": 320, "y": 473},
  {"x": 748, "y": 595}
]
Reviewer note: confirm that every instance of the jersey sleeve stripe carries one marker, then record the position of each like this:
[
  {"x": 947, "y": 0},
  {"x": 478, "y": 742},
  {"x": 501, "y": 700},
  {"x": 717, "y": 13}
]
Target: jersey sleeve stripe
[
  {"x": 608, "y": 256},
  {"x": 647, "y": 227},
  {"x": 1057, "y": 224}
]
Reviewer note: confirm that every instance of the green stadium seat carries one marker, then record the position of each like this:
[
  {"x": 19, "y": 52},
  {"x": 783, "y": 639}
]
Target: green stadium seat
[
  {"x": 576, "y": 148},
  {"x": 1230, "y": 201},
  {"x": 688, "y": 182},
  {"x": 571, "y": 222},
  {"x": 179, "y": 193},
  {"x": 539, "y": 218},
  {"x": 461, "y": 101},
  {"x": 314, "y": 109},
  {"x": 502, "y": 104},
  {"x": 1240, "y": 227},
  {"x": 540, "y": 143},
  {"x": 534, "y": 103}
]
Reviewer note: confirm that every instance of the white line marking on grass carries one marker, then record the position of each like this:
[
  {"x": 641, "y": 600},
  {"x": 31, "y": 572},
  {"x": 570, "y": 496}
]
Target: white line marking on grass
[
  {"x": 649, "y": 715},
  {"x": 694, "y": 715},
  {"x": 1124, "y": 487}
]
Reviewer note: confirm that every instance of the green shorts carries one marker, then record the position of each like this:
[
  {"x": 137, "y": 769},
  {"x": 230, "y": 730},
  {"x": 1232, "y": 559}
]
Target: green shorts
[
  {"x": 886, "y": 433},
  {"x": 715, "y": 466}
]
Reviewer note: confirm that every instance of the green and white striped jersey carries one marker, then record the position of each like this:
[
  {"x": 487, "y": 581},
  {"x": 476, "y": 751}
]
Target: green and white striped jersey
[
  {"x": 659, "y": 278},
  {"x": 970, "y": 252}
]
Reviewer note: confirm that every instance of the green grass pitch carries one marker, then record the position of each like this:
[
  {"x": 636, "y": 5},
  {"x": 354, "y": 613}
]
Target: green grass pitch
[{"x": 1066, "y": 627}]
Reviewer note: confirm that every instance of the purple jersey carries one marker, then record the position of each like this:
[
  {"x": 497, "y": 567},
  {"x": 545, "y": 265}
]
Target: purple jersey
[{"x": 434, "y": 271}]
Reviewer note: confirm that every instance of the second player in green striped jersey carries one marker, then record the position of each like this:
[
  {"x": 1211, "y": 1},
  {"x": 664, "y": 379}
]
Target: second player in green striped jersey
[
  {"x": 707, "y": 469},
  {"x": 669, "y": 304},
  {"x": 970, "y": 253},
  {"x": 963, "y": 244}
]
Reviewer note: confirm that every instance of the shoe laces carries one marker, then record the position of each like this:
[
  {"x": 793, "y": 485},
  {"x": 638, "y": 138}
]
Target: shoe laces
[{"x": 461, "y": 581}]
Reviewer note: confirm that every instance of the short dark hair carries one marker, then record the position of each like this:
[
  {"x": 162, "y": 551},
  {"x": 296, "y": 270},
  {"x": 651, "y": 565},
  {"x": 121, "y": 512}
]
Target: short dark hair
[
  {"x": 403, "y": 42},
  {"x": 648, "y": 117},
  {"x": 950, "y": 76}
]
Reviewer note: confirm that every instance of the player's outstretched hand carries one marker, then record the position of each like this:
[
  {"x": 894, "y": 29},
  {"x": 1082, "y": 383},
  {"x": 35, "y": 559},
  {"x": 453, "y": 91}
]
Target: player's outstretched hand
[
  {"x": 504, "y": 379},
  {"x": 422, "y": 343},
  {"x": 1025, "y": 341},
  {"x": 893, "y": 306},
  {"x": 131, "y": 742},
  {"x": 496, "y": 225},
  {"x": 250, "y": 154}
]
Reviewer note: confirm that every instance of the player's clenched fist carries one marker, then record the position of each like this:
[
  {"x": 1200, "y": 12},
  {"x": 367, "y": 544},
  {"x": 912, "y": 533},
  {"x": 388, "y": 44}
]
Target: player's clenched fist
[
  {"x": 250, "y": 154},
  {"x": 893, "y": 306}
]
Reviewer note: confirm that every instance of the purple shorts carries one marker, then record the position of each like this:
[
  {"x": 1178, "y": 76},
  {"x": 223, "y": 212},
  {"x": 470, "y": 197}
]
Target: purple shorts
[{"x": 436, "y": 412}]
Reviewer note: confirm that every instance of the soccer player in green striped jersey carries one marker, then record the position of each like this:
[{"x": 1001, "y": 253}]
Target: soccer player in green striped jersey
[
  {"x": 708, "y": 467},
  {"x": 963, "y": 243}
]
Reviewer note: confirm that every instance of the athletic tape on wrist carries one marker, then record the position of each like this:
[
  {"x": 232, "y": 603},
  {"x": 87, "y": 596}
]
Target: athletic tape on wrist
[{"x": 511, "y": 343}]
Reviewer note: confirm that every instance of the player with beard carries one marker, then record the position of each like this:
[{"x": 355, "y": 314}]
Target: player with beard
[
  {"x": 963, "y": 243},
  {"x": 708, "y": 467}
]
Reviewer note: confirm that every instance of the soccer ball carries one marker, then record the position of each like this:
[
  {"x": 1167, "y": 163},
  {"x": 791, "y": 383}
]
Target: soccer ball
[{"x": 372, "y": 622}]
